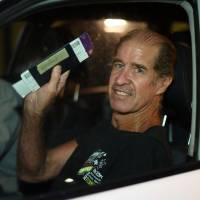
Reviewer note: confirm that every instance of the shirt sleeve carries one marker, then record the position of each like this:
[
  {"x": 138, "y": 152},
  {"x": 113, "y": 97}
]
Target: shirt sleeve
[{"x": 9, "y": 117}]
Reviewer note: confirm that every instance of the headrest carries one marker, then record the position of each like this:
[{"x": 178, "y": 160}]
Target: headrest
[{"x": 179, "y": 94}]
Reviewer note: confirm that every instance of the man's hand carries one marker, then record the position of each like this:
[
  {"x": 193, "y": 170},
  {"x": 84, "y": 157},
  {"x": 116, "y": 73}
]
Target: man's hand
[
  {"x": 35, "y": 162},
  {"x": 37, "y": 102}
]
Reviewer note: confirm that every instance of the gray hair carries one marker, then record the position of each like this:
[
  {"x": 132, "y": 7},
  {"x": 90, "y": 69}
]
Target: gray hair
[{"x": 164, "y": 63}]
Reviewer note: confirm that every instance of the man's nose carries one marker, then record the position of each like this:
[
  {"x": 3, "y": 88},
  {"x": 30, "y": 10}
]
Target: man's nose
[{"x": 123, "y": 76}]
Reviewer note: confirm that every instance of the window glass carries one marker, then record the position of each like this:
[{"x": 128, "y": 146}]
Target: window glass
[{"x": 85, "y": 101}]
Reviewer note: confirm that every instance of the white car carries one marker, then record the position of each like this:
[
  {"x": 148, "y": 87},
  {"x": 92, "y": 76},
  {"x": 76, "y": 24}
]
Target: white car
[{"x": 26, "y": 39}]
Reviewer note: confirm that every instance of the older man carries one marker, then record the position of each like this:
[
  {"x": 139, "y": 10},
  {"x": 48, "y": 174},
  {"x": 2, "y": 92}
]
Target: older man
[{"x": 132, "y": 144}]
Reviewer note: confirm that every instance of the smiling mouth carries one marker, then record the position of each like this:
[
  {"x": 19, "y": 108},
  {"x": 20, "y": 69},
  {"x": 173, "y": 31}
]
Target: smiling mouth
[{"x": 121, "y": 92}]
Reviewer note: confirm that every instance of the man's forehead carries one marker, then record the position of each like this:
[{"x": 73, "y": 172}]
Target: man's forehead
[
  {"x": 139, "y": 46},
  {"x": 144, "y": 37},
  {"x": 135, "y": 51},
  {"x": 145, "y": 40}
]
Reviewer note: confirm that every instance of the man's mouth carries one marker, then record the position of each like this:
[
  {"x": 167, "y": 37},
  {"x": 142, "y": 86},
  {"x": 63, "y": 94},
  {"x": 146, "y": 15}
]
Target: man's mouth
[{"x": 122, "y": 92}]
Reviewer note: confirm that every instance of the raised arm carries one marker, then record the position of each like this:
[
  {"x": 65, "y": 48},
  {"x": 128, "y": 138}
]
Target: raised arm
[{"x": 35, "y": 162}]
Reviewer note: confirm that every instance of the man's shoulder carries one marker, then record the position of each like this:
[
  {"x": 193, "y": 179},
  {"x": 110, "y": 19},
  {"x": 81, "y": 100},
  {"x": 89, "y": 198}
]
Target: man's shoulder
[
  {"x": 160, "y": 141},
  {"x": 158, "y": 133}
]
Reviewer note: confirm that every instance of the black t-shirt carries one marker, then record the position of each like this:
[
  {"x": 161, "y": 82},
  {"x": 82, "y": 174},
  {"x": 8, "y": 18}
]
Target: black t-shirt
[{"x": 110, "y": 154}]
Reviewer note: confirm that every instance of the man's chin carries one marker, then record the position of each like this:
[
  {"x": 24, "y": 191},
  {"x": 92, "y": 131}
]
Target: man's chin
[
  {"x": 121, "y": 106},
  {"x": 121, "y": 110}
]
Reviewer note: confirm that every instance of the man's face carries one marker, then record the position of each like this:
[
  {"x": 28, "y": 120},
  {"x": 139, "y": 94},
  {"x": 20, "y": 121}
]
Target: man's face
[{"x": 133, "y": 81}]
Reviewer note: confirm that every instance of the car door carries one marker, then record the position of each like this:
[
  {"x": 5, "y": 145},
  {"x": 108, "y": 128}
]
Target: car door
[{"x": 21, "y": 23}]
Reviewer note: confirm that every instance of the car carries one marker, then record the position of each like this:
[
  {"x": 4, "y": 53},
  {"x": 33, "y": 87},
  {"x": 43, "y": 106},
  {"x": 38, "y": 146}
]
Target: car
[{"x": 31, "y": 30}]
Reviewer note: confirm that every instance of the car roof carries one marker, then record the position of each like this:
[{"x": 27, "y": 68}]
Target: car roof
[{"x": 13, "y": 9}]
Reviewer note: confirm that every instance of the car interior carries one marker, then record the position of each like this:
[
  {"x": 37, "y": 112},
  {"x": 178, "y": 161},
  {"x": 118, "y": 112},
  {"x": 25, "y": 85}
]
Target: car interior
[{"x": 85, "y": 101}]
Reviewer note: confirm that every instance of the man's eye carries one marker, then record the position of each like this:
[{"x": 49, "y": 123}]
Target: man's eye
[
  {"x": 117, "y": 65},
  {"x": 139, "y": 70}
]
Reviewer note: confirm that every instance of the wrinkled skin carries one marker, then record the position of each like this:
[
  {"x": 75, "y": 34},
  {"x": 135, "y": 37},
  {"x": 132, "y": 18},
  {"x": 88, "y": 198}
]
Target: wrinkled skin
[
  {"x": 135, "y": 89},
  {"x": 133, "y": 82}
]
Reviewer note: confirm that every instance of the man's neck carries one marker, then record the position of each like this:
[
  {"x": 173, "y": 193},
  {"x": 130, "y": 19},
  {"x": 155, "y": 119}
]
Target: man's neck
[{"x": 139, "y": 121}]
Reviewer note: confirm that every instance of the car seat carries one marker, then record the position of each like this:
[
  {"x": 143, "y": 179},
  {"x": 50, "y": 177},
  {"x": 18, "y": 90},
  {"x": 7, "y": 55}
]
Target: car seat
[{"x": 177, "y": 104}]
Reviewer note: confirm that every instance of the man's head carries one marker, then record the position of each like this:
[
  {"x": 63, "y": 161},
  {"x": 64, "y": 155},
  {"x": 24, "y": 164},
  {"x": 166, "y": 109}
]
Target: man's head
[{"x": 141, "y": 72}]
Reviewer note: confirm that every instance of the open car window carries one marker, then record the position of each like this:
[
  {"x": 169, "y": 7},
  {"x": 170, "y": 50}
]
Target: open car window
[{"x": 35, "y": 34}]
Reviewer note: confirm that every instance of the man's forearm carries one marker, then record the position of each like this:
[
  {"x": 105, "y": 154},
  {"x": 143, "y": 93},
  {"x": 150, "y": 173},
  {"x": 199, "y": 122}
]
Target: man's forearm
[
  {"x": 34, "y": 163},
  {"x": 32, "y": 152}
]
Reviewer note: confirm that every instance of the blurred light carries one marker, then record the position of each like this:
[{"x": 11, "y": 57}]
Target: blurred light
[
  {"x": 179, "y": 26},
  {"x": 115, "y": 25},
  {"x": 115, "y": 22},
  {"x": 69, "y": 180}
]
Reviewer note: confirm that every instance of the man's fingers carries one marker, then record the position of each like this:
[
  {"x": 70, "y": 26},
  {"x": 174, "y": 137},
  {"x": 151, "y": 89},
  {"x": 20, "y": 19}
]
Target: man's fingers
[
  {"x": 65, "y": 76},
  {"x": 63, "y": 80},
  {"x": 55, "y": 78}
]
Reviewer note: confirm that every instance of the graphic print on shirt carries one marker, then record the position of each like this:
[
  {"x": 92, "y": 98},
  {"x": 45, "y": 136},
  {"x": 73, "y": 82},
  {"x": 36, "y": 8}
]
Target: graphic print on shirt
[{"x": 91, "y": 170}]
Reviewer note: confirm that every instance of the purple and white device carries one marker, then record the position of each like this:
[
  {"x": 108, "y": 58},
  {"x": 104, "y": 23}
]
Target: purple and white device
[{"x": 69, "y": 56}]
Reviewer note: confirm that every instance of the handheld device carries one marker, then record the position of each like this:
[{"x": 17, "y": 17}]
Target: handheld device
[{"x": 69, "y": 56}]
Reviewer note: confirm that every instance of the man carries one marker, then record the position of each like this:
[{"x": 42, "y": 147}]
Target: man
[
  {"x": 10, "y": 123},
  {"x": 133, "y": 144}
]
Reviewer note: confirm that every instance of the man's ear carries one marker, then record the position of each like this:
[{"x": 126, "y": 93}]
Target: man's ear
[{"x": 163, "y": 83}]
